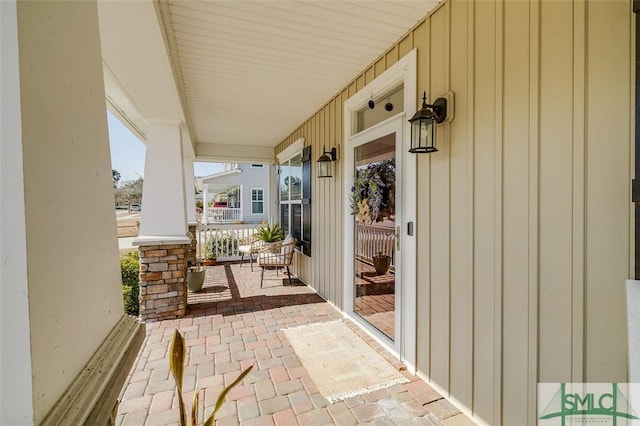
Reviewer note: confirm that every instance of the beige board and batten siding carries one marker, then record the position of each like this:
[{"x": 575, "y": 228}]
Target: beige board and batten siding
[{"x": 524, "y": 215}]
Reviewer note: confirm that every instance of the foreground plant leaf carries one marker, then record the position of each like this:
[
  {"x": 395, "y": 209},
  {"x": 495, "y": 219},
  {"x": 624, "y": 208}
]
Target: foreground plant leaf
[
  {"x": 177, "y": 352},
  {"x": 194, "y": 408},
  {"x": 223, "y": 395}
]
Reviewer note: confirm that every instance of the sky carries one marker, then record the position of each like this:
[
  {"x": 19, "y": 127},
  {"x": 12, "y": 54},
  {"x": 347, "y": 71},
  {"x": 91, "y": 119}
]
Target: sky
[{"x": 127, "y": 153}]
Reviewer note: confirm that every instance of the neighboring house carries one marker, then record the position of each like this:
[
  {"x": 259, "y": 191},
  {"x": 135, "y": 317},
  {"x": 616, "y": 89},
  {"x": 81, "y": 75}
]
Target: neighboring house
[{"x": 238, "y": 194}]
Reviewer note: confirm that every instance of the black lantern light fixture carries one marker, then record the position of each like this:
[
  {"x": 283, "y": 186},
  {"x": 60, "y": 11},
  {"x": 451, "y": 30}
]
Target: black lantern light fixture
[
  {"x": 423, "y": 125},
  {"x": 324, "y": 162}
]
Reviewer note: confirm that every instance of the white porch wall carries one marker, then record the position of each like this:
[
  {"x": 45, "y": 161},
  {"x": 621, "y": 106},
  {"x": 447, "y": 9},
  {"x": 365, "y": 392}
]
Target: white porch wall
[
  {"x": 16, "y": 404},
  {"x": 73, "y": 273},
  {"x": 164, "y": 212}
]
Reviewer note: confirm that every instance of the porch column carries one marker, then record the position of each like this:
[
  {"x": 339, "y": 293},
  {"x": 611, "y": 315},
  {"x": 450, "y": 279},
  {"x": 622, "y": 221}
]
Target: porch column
[
  {"x": 163, "y": 240},
  {"x": 205, "y": 203},
  {"x": 190, "y": 189},
  {"x": 61, "y": 308},
  {"x": 164, "y": 212},
  {"x": 16, "y": 404},
  {"x": 242, "y": 206}
]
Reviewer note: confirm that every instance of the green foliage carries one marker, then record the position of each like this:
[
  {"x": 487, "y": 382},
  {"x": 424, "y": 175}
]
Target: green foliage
[
  {"x": 177, "y": 354},
  {"x": 115, "y": 176},
  {"x": 130, "y": 270},
  {"x": 132, "y": 190},
  {"x": 221, "y": 245},
  {"x": 199, "y": 204},
  {"x": 270, "y": 233}
]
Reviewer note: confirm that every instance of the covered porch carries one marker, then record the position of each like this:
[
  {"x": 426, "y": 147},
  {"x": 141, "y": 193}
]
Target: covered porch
[
  {"x": 233, "y": 323},
  {"x": 512, "y": 242}
]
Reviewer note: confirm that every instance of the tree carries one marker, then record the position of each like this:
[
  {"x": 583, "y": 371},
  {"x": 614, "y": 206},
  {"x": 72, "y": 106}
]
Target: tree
[
  {"x": 116, "y": 177},
  {"x": 130, "y": 191}
]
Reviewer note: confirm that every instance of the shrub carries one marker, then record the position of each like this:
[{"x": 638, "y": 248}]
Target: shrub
[
  {"x": 221, "y": 245},
  {"x": 130, "y": 270}
]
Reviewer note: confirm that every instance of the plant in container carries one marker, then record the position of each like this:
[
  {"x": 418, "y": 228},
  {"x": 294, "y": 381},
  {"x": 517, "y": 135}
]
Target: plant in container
[
  {"x": 210, "y": 256},
  {"x": 270, "y": 233}
]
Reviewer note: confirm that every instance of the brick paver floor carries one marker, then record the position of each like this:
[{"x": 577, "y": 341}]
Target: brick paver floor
[{"x": 233, "y": 324}]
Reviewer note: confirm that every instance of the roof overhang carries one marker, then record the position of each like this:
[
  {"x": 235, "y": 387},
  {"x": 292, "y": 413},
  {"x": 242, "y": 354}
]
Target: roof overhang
[{"x": 241, "y": 75}]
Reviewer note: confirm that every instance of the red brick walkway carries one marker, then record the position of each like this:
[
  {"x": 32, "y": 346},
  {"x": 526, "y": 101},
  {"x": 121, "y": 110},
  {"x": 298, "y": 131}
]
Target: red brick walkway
[{"x": 232, "y": 324}]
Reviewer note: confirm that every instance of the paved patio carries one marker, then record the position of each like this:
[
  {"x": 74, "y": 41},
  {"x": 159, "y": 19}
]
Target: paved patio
[{"x": 233, "y": 324}]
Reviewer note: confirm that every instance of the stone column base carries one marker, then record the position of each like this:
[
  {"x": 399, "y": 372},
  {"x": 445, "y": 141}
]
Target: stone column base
[{"x": 163, "y": 286}]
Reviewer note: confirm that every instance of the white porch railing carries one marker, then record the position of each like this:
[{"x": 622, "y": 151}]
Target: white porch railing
[
  {"x": 224, "y": 237},
  {"x": 372, "y": 239},
  {"x": 224, "y": 215}
]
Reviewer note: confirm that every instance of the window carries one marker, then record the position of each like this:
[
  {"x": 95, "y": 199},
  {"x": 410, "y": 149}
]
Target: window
[
  {"x": 291, "y": 195},
  {"x": 257, "y": 201},
  {"x": 295, "y": 198}
]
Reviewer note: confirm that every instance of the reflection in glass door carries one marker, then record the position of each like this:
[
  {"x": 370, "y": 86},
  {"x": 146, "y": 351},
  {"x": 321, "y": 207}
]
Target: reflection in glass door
[{"x": 374, "y": 204}]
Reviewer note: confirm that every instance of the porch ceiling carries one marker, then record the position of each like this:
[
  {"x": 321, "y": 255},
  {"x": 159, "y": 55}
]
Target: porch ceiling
[{"x": 249, "y": 72}]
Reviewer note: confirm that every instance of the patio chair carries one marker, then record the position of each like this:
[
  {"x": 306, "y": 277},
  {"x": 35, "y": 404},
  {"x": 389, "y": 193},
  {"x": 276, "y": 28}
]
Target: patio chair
[
  {"x": 277, "y": 255},
  {"x": 249, "y": 246}
]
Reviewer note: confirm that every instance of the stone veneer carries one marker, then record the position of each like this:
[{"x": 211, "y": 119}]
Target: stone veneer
[
  {"x": 191, "y": 249},
  {"x": 163, "y": 287}
]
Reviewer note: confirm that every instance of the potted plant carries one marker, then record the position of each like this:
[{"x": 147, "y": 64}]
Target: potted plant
[
  {"x": 373, "y": 194},
  {"x": 210, "y": 255},
  {"x": 270, "y": 233},
  {"x": 381, "y": 263},
  {"x": 195, "y": 278}
]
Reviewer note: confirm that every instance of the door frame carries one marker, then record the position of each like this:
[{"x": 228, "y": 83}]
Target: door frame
[{"x": 403, "y": 72}]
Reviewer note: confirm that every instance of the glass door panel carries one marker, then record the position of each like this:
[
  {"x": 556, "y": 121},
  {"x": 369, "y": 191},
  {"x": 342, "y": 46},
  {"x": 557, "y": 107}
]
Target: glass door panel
[{"x": 374, "y": 203}]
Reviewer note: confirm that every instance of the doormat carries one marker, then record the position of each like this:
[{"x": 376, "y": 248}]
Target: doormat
[{"x": 339, "y": 362}]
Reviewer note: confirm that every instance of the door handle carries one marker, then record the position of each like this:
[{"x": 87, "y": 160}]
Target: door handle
[{"x": 397, "y": 238}]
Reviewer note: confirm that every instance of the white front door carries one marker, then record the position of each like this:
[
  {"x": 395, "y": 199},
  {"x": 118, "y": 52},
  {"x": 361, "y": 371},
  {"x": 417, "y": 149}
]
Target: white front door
[
  {"x": 377, "y": 138},
  {"x": 375, "y": 158}
]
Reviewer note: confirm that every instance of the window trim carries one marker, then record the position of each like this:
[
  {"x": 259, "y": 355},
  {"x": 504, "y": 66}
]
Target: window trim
[
  {"x": 289, "y": 201},
  {"x": 293, "y": 150}
]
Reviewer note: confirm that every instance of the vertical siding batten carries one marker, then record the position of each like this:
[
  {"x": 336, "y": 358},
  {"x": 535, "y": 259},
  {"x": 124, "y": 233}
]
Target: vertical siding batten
[
  {"x": 579, "y": 141},
  {"x": 533, "y": 274},
  {"x": 498, "y": 212},
  {"x": 333, "y": 212},
  {"x": 422, "y": 226},
  {"x": 556, "y": 156},
  {"x": 439, "y": 215},
  {"x": 339, "y": 208},
  {"x": 470, "y": 212},
  {"x": 607, "y": 189},
  {"x": 515, "y": 211},
  {"x": 484, "y": 227}
]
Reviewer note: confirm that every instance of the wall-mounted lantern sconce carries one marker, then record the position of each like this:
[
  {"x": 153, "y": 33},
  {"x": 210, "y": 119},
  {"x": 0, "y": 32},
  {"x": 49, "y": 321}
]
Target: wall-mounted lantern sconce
[
  {"x": 423, "y": 125},
  {"x": 324, "y": 162}
]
